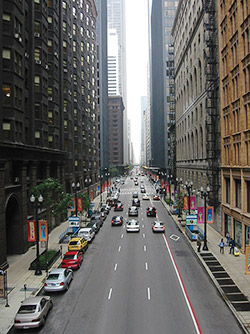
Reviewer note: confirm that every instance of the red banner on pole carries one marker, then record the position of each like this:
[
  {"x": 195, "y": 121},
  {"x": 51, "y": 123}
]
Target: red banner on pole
[
  {"x": 31, "y": 230},
  {"x": 79, "y": 204},
  {"x": 43, "y": 230}
]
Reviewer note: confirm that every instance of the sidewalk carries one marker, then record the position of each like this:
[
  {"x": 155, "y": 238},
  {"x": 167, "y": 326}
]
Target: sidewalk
[
  {"x": 19, "y": 274},
  {"x": 234, "y": 267}
]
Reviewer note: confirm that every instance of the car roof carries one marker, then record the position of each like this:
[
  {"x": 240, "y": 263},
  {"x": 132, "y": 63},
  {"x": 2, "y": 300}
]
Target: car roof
[
  {"x": 84, "y": 229},
  {"x": 118, "y": 216},
  {"x": 158, "y": 222},
  {"x": 33, "y": 300},
  {"x": 57, "y": 271},
  {"x": 76, "y": 239},
  {"x": 71, "y": 253}
]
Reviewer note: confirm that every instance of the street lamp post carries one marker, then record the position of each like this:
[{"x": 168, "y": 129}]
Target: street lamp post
[
  {"x": 189, "y": 185},
  {"x": 170, "y": 182},
  {"x": 205, "y": 194},
  {"x": 88, "y": 182},
  {"x": 36, "y": 202},
  {"x": 101, "y": 178},
  {"x": 76, "y": 187}
]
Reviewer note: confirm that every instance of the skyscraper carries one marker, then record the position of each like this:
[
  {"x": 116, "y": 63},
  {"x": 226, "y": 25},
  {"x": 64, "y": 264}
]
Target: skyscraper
[{"x": 116, "y": 20}]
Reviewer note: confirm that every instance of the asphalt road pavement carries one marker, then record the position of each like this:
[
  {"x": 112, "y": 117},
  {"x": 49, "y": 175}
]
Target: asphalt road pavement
[{"x": 140, "y": 283}]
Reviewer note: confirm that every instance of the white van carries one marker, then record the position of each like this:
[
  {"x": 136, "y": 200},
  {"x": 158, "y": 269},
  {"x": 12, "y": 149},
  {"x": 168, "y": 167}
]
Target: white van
[{"x": 87, "y": 233}]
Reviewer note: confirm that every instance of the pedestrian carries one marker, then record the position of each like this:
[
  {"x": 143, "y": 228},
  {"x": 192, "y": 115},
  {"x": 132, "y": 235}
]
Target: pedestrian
[
  {"x": 232, "y": 245},
  {"x": 221, "y": 245},
  {"x": 228, "y": 238},
  {"x": 198, "y": 244}
]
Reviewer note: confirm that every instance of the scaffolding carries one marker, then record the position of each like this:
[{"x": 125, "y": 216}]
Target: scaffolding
[{"x": 212, "y": 101}]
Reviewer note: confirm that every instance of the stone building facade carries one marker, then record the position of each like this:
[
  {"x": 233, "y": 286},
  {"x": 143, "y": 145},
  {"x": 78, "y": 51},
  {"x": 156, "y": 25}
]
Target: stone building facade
[
  {"x": 234, "y": 54},
  {"x": 49, "y": 116},
  {"x": 196, "y": 92}
]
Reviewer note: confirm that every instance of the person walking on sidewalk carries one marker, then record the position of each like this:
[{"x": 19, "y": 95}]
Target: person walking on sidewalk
[
  {"x": 221, "y": 245},
  {"x": 198, "y": 244},
  {"x": 232, "y": 245}
]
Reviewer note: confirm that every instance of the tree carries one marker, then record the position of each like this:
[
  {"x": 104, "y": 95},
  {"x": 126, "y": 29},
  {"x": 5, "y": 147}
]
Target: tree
[{"x": 55, "y": 200}]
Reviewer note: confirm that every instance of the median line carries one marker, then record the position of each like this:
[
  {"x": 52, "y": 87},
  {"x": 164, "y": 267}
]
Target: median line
[
  {"x": 110, "y": 293},
  {"x": 148, "y": 291},
  {"x": 146, "y": 265},
  {"x": 115, "y": 267},
  {"x": 119, "y": 249}
]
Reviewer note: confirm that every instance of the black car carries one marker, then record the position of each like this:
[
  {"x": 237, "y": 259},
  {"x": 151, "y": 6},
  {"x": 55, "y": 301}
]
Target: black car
[
  {"x": 136, "y": 202},
  {"x": 118, "y": 207},
  {"x": 95, "y": 225},
  {"x": 135, "y": 194},
  {"x": 97, "y": 218},
  {"x": 117, "y": 221},
  {"x": 143, "y": 190},
  {"x": 151, "y": 211}
]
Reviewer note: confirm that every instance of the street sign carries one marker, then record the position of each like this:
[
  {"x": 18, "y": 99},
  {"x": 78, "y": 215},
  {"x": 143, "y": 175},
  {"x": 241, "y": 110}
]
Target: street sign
[{"x": 74, "y": 222}]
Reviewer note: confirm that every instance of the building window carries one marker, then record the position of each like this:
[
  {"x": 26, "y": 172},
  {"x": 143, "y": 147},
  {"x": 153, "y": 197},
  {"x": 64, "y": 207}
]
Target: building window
[
  {"x": 227, "y": 182},
  {"x": 6, "y": 95},
  {"x": 37, "y": 84},
  {"x": 238, "y": 232},
  {"x": 37, "y": 54},
  {"x": 238, "y": 194}
]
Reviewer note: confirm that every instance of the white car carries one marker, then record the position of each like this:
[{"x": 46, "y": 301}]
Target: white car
[
  {"x": 158, "y": 226},
  {"x": 146, "y": 197},
  {"x": 87, "y": 233},
  {"x": 133, "y": 226}
]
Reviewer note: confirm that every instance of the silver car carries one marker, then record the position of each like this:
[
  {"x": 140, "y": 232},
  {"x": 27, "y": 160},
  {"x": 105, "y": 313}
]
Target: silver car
[
  {"x": 133, "y": 226},
  {"x": 133, "y": 211},
  {"x": 58, "y": 280},
  {"x": 33, "y": 312}
]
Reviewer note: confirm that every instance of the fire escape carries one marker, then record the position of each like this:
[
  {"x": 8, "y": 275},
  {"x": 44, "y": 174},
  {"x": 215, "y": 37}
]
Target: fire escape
[{"x": 212, "y": 101}]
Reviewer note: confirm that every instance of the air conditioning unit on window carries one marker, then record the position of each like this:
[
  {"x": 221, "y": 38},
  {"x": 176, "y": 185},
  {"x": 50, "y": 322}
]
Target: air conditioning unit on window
[
  {"x": 50, "y": 98},
  {"x": 36, "y": 34},
  {"x": 16, "y": 180},
  {"x": 38, "y": 62},
  {"x": 26, "y": 55},
  {"x": 16, "y": 35},
  {"x": 46, "y": 67},
  {"x": 65, "y": 70}
]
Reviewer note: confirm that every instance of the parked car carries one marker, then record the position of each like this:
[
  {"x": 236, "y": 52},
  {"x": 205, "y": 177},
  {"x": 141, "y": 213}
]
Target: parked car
[
  {"x": 133, "y": 226},
  {"x": 136, "y": 202},
  {"x": 104, "y": 215},
  {"x": 72, "y": 260},
  {"x": 158, "y": 226},
  {"x": 33, "y": 312},
  {"x": 135, "y": 194},
  {"x": 97, "y": 217},
  {"x": 88, "y": 233},
  {"x": 95, "y": 224},
  {"x": 105, "y": 208},
  {"x": 58, "y": 280},
  {"x": 143, "y": 190},
  {"x": 133, "y": 211},
  {"x": 77, "y": 244},
  {"x": 117, "y": 221},
  {"x": 174, "y": 209},
  {"x": 118, "y": 207},
  {"x": 151, "y": 211}
]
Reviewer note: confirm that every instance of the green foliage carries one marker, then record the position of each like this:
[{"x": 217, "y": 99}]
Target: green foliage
[
  {"x": 54, "y": 199},
  {"x": 113, "y": 171},
  {"x": 85, "y": 201},
  {"x": 180, "y": 203},
  {"x": 169, "y": 201}
]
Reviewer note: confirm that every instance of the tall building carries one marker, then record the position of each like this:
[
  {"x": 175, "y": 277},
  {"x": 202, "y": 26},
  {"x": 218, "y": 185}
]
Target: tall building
[
  {"x": 143, "y": 111},
  {"x": 102, "y": 55},
  {"x": 162, "y": 101},
  {"x": 234, "y": 56},
  {"x": 113, "y": 63},
  {"x": 49, "y": 117},
  {"x": 116, "y": 109},
  {"x": 197, "y": 93},
  {"x": 117, "y": 21}
]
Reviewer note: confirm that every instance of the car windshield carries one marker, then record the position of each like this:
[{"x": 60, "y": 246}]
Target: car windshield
[
  {"x": 70, "y": 257},
  {"x": 74, "y": 243},
  {"x": 27, "y": 309},
  {"x": 53, "y": 276}
]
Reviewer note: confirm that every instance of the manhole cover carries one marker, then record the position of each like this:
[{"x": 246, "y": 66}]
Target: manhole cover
[
  {"x": 237, "y": 297},
  {"x": 230, "y": 289},
  {"x": 228, "y": 281},
  {"x": 217, "y": 268},
  {"x": 221, "y": 275},
  {"x": 212, "y": 263},
  {"x": 241, "y": 307}
]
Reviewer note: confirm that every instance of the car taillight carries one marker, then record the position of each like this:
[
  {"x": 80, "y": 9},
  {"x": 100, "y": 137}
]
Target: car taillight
[
  {"x": 62, "y": 283},
  {"x": 17, "y": 321},
  {"x": 45, "y": 284}
]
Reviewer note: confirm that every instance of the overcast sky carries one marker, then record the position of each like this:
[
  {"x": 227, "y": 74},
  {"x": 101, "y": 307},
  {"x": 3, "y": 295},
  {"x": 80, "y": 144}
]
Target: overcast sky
[{"x": 137, "y": 61}]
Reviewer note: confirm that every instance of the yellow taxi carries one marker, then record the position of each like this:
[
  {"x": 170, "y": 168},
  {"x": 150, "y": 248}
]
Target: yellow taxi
[{"x": 77, "y": 244}]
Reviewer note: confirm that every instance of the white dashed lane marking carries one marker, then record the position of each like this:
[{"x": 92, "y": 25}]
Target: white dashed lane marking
[
  {"x": 146, "y": 265},
  {"x": 143, "y": 235},
  {"x": 115, "y": 267},
  {"x": 119, "y": 249},
  {"x": 110, "y": 293},
  {"x": 149, "y": 296},
  {"x": 145, "y": 248}
]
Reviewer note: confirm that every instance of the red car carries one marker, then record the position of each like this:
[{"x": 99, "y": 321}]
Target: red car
[
  {"x": 72, "y": 260},
  {"x": 156, "y": 198}
]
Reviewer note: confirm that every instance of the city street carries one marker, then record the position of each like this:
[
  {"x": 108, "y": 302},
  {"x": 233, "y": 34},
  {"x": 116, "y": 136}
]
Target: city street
[{"x": 138, "y": 283}]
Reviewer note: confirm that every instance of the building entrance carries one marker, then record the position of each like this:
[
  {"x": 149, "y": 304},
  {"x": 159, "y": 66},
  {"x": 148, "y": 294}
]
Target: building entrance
[{"x": 14, "y": 235}]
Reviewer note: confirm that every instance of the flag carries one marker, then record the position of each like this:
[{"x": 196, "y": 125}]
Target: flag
[
  {"x": 200, "y": 215},
  {"x": 43, "y": 230},
  {"x": 210, "y": 214},
  {"x": 31, "y": 230},
  {"x": 192, "y": 202},
  {"x": 185, "y": 203}
]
